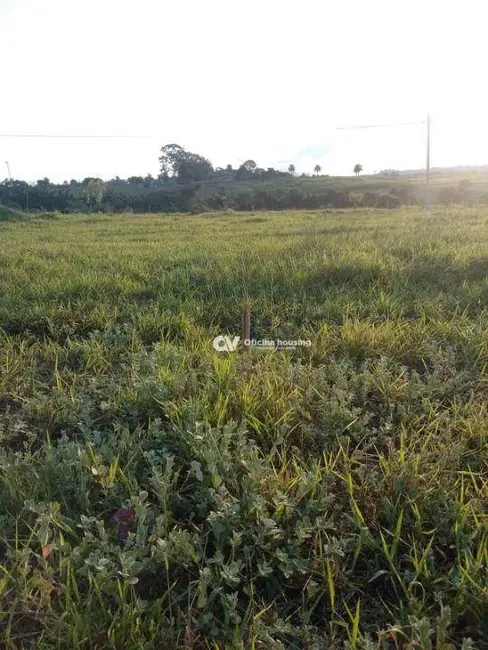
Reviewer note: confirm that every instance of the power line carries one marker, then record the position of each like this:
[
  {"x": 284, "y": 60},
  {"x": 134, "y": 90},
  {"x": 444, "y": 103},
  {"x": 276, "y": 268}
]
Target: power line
[
  {"x": 65, "y": 135},
  {"x": 131, "y": 136},
  {"x": 337, "y": 128},
  {"x": 376, "y": 126}
]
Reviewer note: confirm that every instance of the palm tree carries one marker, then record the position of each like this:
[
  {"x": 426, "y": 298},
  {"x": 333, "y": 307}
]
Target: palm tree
[
  {"x": 317, "y": 169},
  {"x": 291, "y": 169},
  {"x": 357, "y": 169}
]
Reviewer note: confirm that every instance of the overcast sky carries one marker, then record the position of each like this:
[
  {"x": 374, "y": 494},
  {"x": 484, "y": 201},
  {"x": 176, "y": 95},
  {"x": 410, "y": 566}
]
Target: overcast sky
[{"x": 264, "y": 79}]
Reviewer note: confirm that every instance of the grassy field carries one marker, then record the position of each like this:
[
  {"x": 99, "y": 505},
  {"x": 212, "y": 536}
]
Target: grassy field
[{"x": 158, "y": 494}]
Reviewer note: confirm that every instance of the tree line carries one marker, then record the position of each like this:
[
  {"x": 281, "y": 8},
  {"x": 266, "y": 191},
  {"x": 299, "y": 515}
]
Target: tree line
[
  {"x": 188, "y": 182},
  {"x": 138, "y": 194}
]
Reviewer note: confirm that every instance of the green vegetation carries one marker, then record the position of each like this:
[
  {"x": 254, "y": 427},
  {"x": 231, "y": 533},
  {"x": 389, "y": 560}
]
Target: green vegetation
[
  {"x": 9, "y": 214},
  {"x": 188, "y": 182},
  {"x": 158, "y": 494}
]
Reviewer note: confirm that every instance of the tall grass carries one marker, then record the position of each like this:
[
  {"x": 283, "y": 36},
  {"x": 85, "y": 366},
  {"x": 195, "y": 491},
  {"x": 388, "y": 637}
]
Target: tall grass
[{"x": 158, "y": 494}]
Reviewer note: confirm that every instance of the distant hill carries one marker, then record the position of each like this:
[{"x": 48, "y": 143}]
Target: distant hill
[
  {"x": 408, "y": 173},
  {"x": 462, "y": 168}
]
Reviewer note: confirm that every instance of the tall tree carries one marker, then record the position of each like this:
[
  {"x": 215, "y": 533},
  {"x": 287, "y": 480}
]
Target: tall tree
[
  {"x": 247, "y": 170},
  {"x": 317, "y": 169},
  {"x": 357, "y": 169},
  {"x": 195, "y": 169},
  {"x": 291, "y": 169},
  {"x": 185, "y": 166},
  {"x": 249, "y": 166},
  {"x": 44, "y": 183},
  {"x": 94, "y": 192},
  {"x": 171, "y": 156}
]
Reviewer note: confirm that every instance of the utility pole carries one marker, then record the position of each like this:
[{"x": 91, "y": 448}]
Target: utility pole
[
  {"x": 8, "y": 169},
  {"x": 427, "y": 168}
]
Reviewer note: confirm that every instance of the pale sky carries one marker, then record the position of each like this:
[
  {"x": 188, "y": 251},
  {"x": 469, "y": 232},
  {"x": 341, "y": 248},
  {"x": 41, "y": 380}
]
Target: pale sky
[{"x": 264, "y": 79}]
